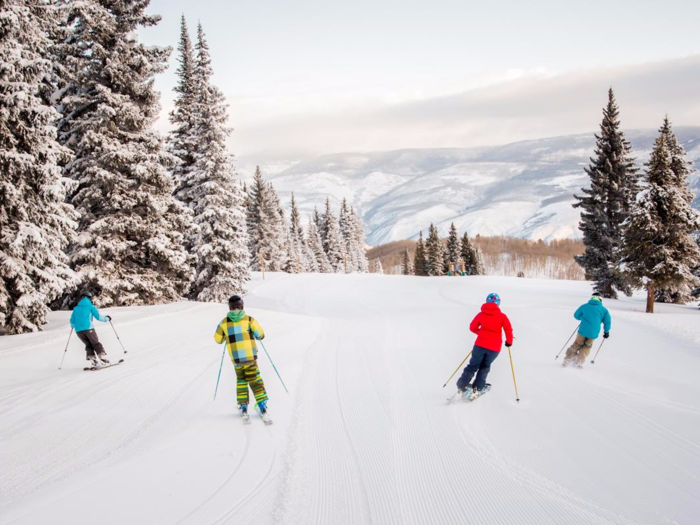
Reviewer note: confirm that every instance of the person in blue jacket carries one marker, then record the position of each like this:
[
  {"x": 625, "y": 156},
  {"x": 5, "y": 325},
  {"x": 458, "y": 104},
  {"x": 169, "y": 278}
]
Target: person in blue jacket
[
  {"x": 81, "y": 322},
  {"x": 592, "y": 315}
]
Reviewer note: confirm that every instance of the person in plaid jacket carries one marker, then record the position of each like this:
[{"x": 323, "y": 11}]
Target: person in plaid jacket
[{"x": 240, "y": 331}]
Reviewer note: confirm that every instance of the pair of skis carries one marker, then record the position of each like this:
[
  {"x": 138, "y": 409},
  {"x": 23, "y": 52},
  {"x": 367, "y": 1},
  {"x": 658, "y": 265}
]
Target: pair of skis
[
  {"x": 245, "y": 416},
  {"x": 102, "y": 366},
  {"x": 469, "y": 395}
]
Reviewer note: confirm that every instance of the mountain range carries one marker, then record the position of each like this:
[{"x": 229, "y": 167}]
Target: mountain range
[{"x": 524, "y": 189}]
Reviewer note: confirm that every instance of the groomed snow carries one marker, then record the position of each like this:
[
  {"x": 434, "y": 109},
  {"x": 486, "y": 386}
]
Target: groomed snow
[{"x": 365, "y": 435}]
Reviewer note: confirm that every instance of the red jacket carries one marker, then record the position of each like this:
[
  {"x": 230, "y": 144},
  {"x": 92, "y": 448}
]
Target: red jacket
[{"x": 487, "y": 326}]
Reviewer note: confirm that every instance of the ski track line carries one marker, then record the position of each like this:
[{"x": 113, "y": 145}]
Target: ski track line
[
  {"x": 639, "y": 486},
  {"x": 81, "y": 438}
]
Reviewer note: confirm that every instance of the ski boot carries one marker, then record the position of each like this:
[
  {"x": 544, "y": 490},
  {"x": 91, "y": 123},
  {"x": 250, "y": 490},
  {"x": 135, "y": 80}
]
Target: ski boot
[
  {"x": 102, "y": 358},
  {"x": 467, "y": 392},
  {"x": 478, "y": 393},
  {"x": 243, "y": 409}
]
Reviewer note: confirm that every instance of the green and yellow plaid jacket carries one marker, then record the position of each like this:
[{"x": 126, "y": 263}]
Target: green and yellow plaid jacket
[{"x": 240, "y": 338}]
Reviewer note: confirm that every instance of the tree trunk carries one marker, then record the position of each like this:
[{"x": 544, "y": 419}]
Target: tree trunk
[{"x": 650, "y": 297}]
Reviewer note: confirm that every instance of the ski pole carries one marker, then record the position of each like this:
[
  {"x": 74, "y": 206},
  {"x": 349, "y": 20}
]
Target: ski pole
[
  {"x": 567, "y": 342},
  {"x": 273, "y": 366},
  {"x": 460, "y": 366},
  {"x": 517, "y": 397},
  {"x": 115, "y": 333},
  {"x": 66, "y": 350},
  {"x": 596, "y": 354},
  {"x": 219, "y": 376}
]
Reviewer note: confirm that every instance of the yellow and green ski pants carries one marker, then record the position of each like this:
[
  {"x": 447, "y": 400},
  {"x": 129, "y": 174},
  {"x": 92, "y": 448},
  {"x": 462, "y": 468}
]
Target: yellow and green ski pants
[{"x": 249, "y": 375}]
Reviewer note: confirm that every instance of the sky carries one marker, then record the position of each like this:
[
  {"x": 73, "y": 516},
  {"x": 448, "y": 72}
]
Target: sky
[{"x": 309, "y": 77}]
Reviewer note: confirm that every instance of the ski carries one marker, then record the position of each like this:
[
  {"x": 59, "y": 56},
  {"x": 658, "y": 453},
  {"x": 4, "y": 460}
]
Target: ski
[
  {"x": 264, "y": 416},
  {"x": 103, "y": 366}
]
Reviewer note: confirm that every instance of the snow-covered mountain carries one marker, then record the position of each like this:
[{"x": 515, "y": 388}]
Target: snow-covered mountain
[{"x": 524, "y": 189}]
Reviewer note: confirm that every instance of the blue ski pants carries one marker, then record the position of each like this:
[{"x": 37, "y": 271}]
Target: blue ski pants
[{"x": 479, "y": 364}]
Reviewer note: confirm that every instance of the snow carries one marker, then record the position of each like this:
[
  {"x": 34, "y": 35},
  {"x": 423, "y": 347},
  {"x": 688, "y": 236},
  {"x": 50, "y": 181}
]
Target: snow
[{"x": 365, "y": 435}]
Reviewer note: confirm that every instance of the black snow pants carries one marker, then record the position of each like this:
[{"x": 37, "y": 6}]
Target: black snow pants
[{"x": 92, "y": 343}]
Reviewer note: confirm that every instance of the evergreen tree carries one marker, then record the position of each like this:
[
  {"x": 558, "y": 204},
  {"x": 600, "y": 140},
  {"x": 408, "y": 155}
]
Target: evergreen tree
[
  {"x": 406, "y": 267},
  {"x": 434, "y": 251},
  {"x": 378, "y": 268},
  {"x": 266, "y": 227},
  {"x": 359, "y": 254},
  {"x": 316, "y": 246},
  {"x": 453, "y": 248},
  {"x": 468, "y": 255},
  {"x": 183, "y": 139},
  {"x": 420, "y": 264},
  {"x": 298, "y": 251},
  {"x": 606, "y": 205},
  {"x": 215, "y": 194},
  {"x": 659, "y": 245},
  {"x": 254, "y": 201},
  {"x": 332, "y": 240},
  {"x": 36, "y": 224},
  {"x": 131, "y": 228}
]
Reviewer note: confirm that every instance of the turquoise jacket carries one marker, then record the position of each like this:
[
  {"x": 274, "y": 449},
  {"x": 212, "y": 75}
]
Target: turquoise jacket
[
  {"x": 591, "y": 315},
  {"x": 81, "y": 318}
]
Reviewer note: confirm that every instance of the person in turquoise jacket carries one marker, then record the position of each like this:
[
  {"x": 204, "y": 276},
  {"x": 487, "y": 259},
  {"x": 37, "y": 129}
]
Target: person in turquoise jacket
[
  {"x": 81, "y": 322},
  {"x": 592, "y": 315}
]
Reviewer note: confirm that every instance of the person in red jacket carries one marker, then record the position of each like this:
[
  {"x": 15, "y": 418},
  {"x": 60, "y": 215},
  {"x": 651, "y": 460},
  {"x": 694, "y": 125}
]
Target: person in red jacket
[{"x": 487, "y": 325}]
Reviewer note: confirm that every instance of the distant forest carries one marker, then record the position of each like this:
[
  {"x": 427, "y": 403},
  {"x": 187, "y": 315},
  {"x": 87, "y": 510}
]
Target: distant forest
[{"x": 503, "y": 256}]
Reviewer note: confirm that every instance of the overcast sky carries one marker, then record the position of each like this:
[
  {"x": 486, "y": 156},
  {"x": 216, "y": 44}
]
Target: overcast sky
[{"x": 308, "y": 77}]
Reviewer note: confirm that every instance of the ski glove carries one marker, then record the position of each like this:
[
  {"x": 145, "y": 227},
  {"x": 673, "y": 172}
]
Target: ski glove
[
  {"x": 606, "y": 335},
  {"x": 509, "y": 345},
  {"x": 109, "y": 318}
]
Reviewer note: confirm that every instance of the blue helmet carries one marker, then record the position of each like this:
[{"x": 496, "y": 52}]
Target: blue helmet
[{"x": 493, "y": 298}]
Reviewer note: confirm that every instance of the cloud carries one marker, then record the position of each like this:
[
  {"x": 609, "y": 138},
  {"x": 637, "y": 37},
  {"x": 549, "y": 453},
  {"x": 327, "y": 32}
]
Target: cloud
[{"x": 527, "y": 105}]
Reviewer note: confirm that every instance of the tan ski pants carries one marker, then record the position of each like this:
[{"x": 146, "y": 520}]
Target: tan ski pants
[{"x": 578, "y": 352}]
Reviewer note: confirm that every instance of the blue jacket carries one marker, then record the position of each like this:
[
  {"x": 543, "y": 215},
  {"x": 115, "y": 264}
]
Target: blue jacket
[
  {"x": 591, "y": 315},
  {"x": 81, "y": 318}
]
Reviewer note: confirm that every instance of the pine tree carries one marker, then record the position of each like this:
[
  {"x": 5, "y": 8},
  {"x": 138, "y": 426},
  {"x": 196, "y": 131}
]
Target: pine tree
[
  {"x": 131, "y": 228},
  {"x": 316, "y": 247},
  {"x": 298, "y": 252},
  {"x": 434, "y": 251},
  {"x": 35, "y": 222},
  {"x": 183, "y": 139},
  {"x": 378, "y": 268},
  {"x": 453, "y": 248},
  {"x": 359, "y": 254},
  {"x": 420, "y": 264},
  {"x": 332, "y": 240},
  {"x": 215, "y": 194},
  {"x": 659, "y": 245},
  {"x": 266, "y": 228},
  {"x": 606, "y": 205},
  {"x": 468, "y": 255},
  {"x": 406, "y": 266}
]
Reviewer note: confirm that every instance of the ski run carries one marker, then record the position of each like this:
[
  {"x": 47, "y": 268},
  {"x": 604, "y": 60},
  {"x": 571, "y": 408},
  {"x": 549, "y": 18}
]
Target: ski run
[{"x": 365, "y": 435}]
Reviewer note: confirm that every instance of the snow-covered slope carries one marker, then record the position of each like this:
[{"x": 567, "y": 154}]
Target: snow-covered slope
[
  {"x": 523, "y": 189},
  {"x": 364, "y": 435}
]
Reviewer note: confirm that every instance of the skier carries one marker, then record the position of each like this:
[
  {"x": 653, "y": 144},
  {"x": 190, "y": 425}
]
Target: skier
[
  {"x": 81, "y": 322},
  {"x": 591, "y": 315},
  {"x": 240, "y": 332},
  {"x": 487, "y": 325}
]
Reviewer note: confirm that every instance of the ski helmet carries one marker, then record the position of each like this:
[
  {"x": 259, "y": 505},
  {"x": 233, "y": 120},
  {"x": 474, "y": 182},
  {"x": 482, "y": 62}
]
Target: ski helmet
[
  {"x": 597, "y": 297},
  {"x": 493, "y": 298},
  {"x": 235, "y": 302},
  {"x": 85, "y": 293}
]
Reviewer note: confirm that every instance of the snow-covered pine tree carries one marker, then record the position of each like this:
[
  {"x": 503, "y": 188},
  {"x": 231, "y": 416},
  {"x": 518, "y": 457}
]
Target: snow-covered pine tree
[
  {"x": 420, "y": 263},
  {"x": 299, "y": 252},
  {"x": 359, "y": 256},
  {"x": 318, "y": 219},
  {"x": 468, "y": 255},
  {"x": 254, "y": 200},
  {"x": 183, "y": 139},
  {"x": 377, "y": 266},
  {"x": 276, "y": 247},
  {"x": 479, "y": 266},
  {"x": 606, "y": 205},
  {"x": 316, "y": 247},
  {"x": 131, "y": 228},
  {"x": 346, "y": 226},
  {"x": 434, "y": 252},
  {"x": 214, "y": 192},
  {"x": 36, "y": 224},
  {"x": 406, "y": 266},
  {"x": 659, "y": 246},
  {"x": 333, "y": 241},
  {"x": 452, "y": 250}
]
